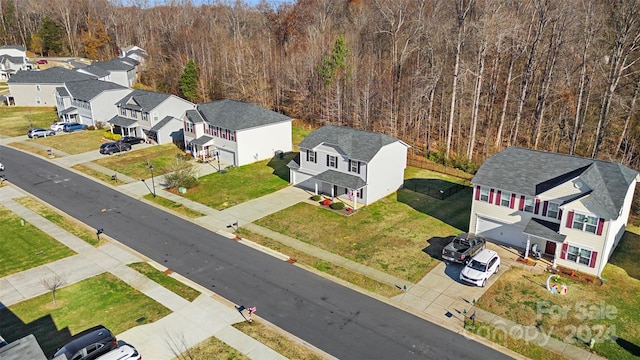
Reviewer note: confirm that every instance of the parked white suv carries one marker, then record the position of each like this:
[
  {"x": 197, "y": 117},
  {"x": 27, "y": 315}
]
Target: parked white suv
[
  {"x": 58, "y": 126},
  {"x": 122, "y": 352},
  {"x": 480, "y": 268}
]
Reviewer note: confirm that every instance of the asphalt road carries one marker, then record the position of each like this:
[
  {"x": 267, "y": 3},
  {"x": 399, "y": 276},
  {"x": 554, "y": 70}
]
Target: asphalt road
[{"x": 340, "y": 321}]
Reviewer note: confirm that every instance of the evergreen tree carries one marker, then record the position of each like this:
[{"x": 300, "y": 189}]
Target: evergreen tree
[
  {"x": 336, "y": 62},
  {"x": 52, "y": 36},
  {"x": 189, "y": 82}
]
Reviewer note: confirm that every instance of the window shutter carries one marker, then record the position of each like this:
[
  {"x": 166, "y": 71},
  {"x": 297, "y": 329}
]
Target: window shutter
[
  {"x": 563, "y": 254},
  {"x": 521, "y": 206},
  {"x": 359, "y": 163},
  {"x": 498, "y": 197},
  {"x": 307, "y": 155},
  {"x": 327, "y": 159},
  {"x": 594, "y": 256},
  {"x": 600, "y": 226},
  {"x": 315, "y": 157},
  {"x": 570, "y": 219},
  {"x": 478, "y": 192},
  {"x": 544, "y": 208},
  {"x": 512, "y": 203},
  {"x": 491, "y": 196},
  {"x": 560, "y": 214},
  {"x": 537, "y": 207}
]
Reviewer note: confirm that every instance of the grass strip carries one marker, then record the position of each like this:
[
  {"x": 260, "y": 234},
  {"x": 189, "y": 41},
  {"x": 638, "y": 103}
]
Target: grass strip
[
  {"x": 177, "y": 207},
  {"x": 211, "y": 348},
  {"x": 165, "y": 280},
  {"x": 277, "y": 341}
]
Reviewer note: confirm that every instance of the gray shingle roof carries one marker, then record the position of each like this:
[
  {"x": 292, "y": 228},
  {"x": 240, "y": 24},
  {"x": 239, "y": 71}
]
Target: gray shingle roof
[
  {"x": 122, "y": 121},
  {"x": 16, "y": 47},
  {"x": 238, "y": 115},
  {"x": 147, "y": 100},
  {"x": 357, "y": 144},
  {"x": 544, "y": 229},
  {"x": 88, "y": 89},
  {"x": 163, "y": 122},
  {"x": 531, "y": 172},
  {"x": 54, "y": 75},
  {"x": 202, "y": 140},
  {"x": 194, "y": 116},
  {"x": 62, "y": 91},
  {"x": 12, "y": 59},
  {"x": 96, "y": 70},
  {"x": 113, "y": 65},
  {"x": 341, "y": 179}
]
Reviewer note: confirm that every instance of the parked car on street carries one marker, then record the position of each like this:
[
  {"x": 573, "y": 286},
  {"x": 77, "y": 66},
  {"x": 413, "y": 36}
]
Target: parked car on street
[
  {"x": 480, "y": 268},
  {"x": 88, "y": 346},
  {"x": 122, "y": 352},
  {"x": 111, "y": 147},
  {"x": 42, "y": 62},
  {"x": 1, "y": 167},
  {"x": 39, "y": 132},
  {"x": 131, "y": 140},
  {"x": 70, "y": 127},
  {"x": 463, "y": 248},
  {"x": 58, "y": 126}
]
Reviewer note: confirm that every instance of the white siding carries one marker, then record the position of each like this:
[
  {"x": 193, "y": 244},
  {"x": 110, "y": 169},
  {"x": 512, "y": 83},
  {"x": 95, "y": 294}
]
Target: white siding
[
  {"x": 26, "y": 94},
  {"x": 103, "y": 106},
  {"x": 260, "y": 143},
  {"x": 385, "y": 173}
]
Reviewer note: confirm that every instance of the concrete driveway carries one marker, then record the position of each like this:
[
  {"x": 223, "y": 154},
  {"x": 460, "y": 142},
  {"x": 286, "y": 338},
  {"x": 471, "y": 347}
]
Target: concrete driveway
[{"x": 441, "y": 295}]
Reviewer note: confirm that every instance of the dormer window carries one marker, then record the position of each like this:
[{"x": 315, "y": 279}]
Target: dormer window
[
  {"x": 354, "y": 166},
  {"x": 332, "y": 161}
]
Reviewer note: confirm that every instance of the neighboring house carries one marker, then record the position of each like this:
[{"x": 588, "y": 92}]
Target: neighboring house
[
  {"x": 361, "y": 166},
  {"x": 574, "y": 209},
  {"x": 119, "y": 71},
  {"x": 134, "y": 52},
  {"x": 236, "y": 132},
  {"x": 12, "y": 59},
  {"x": 23, "y": 348},
  {"x": 89, "y": 101},
  {"x": 144, "y": 114},
  {"x": 38, "y": 88}
]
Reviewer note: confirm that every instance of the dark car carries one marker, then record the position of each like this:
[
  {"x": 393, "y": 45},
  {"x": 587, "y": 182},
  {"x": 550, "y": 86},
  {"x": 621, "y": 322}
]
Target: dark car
[
  {"x": 69, "y": 127},
  {"x": 463, "y": 248},
  {"x": 131, "y": 140},
  {"x": 114, "y": 147},
  {"x": 39, "y": 132},
  {"x": 89, "y": 344}
]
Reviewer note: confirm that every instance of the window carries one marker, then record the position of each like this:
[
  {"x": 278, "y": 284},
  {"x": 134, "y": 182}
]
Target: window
[
  {"x": 505, "y": 199},
  {"x": 145, "y": 116},
  {"x": 232, "y": 135},
  {"x": 123, "y": 111},
  {"x": 529, "y": 204},
  {"x": 552, "y": 210},
  {"x": 354, "y": 166},
  {"x": 311, "y": 156},
  {"x": 332, "y": 161},
  {"x": 188, "y": 127},
  {"x": 579, "y": 255},
  {"x": 484, "y": 194},
  {"x": 585, "y": 223},
  {"x": 134, "y": 114},
  {"x": 155, "y": 116}
]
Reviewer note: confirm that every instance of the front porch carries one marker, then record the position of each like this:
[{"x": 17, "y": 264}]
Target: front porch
[{"x": 342, "y": 187}]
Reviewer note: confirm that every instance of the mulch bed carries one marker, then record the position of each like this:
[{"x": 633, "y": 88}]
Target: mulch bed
[
  {"x": 526, "y": 261},
  {"x": 575, "y": 275}
]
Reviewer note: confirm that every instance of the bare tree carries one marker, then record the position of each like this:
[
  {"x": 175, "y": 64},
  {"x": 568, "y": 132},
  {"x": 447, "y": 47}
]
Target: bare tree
[{"x": 53, "y": 283}]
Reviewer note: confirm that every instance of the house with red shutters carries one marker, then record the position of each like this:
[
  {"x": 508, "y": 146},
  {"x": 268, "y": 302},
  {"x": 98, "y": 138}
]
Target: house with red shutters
[{"x": 573, "y": 209}]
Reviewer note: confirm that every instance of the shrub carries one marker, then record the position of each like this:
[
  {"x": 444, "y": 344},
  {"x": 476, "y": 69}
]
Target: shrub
[
  {"x": 111, "y": 136},
  {"x": 316, "y": 197},
  {"x": 181, "y": 175},
  {"x": 99, "y": 125},
  {"x": 436, "y": 157},
  {"x": 337, "y": 206},
  {"x": 91, "y": 127}
]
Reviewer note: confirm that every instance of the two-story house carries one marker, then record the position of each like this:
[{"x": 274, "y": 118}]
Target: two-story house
[
  {"x": 235, "y": 132},
  {"x": 38, "y": 88},
  {"x": 12, "y": 59},
  {"x": 574, "y": 209},
  {"x": 361, "y": 166},
  {"x": 120, "y": 71},
  {"x": 151, "y": 115},
  {"x": 89, "y": 101}
]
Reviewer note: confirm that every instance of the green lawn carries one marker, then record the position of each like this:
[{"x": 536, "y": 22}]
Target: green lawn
[
  {"x": 16, "y": 120},
  {"x": 102, "y": 299},
  {"x": 136, "y": 163},
  {"x": 77, "y": 142},
  {"x": 24, "y": 247},
  {"x": 179, "y": 208},
  {"x": 165, "y": 280},
  {"x": 240, "y": 184},
  {"x": 66, "y": 223}
]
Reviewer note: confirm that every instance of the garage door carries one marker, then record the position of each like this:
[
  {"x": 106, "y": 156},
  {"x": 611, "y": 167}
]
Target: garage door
[
  {"x": 498, "y": 231},
  {"x": 227, "y": 157}
]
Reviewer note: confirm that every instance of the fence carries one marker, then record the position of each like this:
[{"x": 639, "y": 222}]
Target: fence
[{"x": 423, "y": 163}]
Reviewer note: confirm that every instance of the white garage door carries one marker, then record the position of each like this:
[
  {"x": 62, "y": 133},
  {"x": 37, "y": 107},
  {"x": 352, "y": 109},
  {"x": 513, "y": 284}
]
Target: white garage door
[
  {"x": 227, "y": 157},
  {"x": 504, "y": 233}
]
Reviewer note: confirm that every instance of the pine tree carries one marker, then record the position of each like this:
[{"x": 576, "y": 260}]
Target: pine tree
[
  {"x": 189, "y": 82},
  {"x": 51, "y": 35},
  {"x": 336, "y": 62}
]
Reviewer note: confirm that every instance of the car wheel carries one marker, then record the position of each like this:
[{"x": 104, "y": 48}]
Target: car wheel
[
  {"x": 497, "y": 268},
  {"x": 484, "y": 282}
]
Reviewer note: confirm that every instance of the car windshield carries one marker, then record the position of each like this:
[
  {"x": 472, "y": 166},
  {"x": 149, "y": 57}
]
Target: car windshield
[{"x": 477, "y": 265}]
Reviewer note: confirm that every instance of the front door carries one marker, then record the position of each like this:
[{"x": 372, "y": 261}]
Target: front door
[{"x": 550, "y": 248}]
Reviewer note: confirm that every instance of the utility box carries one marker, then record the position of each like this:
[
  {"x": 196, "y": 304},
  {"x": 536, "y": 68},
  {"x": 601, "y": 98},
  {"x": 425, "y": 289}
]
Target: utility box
[{"x": 182, "y": 190}]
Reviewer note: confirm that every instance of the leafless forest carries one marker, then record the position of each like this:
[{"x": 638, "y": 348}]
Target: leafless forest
[{"x": 460, "y": 78}]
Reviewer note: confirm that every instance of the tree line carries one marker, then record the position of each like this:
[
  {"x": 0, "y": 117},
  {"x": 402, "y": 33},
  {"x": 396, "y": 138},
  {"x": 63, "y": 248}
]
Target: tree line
[{"x": 458, "y": 80}]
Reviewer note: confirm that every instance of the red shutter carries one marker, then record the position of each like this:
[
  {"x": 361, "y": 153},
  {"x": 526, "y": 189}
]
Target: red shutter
[
  {"x": 478, "y": 192},
  {"x": 521, "y": 206},
  {"x": 537, "y": 207},
  {"x": 594, "y": 256},
  {"x": 512, "y": 203},
  {"x": 563, "y": 254},
  {"x": 498, "y": 197},
  {"x": 544, "y": 208},
  {"x": 491, "y": 196},
  {"x": 600, "y": 226},
  {"x": 570, "y": 219}
]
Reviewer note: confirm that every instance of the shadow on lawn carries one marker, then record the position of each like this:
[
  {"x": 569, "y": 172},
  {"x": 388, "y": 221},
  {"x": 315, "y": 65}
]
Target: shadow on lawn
[
  {"x": 632, "y": 348},
  {"x": 452, "y": 208},
  {"x": 279, "y": 164},
  {"x": 626, "y": 254},
  {"x": 44, "y": 329},
  {"x": 436, "y": 244}
]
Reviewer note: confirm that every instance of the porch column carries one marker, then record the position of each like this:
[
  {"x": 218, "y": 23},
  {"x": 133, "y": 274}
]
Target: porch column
[
  {"x": 332, "y": 195},
  {"x": 355, "y": 200},
  {"x": 316, "y": 188},
  {"x": 526, "y": 250}
]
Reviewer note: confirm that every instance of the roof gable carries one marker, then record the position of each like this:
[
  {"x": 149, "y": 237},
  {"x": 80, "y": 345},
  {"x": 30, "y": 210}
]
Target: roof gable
[
  {"x": 356, "y": 144},
  {"x": 238, "y": 115},
  {"x": 143, "y": 100},
  {"x": 531, "y": 172}
]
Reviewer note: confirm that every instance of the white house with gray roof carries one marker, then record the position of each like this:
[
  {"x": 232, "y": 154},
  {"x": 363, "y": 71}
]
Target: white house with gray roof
[
  {"x": 12, "y": 59},
  {"x": 573, "y": 209},
  {"x": 89, "y": 101},
  {"x": 356, "y": 165},
  {"x": 119, "y": 71},
  {"x": 38, "y": 88},
  {"x": 144, "y": 114},
  {"x": 235, "y": 132}
]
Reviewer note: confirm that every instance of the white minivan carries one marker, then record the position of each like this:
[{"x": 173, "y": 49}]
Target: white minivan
[
  {"x": 480, "y": 268},
  {"x": 122, "y": 352}
]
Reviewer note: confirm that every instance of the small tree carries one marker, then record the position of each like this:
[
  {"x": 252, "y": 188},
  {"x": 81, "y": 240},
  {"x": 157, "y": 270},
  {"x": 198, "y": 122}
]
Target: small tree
[
  {"x": 182, "y": 174},
  {"x": 189, "y": 82},
  {"x": 53, "y": 283}
]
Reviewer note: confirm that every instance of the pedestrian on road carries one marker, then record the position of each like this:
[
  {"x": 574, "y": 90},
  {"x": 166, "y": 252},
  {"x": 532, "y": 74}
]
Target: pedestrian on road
[{"x": 251, "y": 310}]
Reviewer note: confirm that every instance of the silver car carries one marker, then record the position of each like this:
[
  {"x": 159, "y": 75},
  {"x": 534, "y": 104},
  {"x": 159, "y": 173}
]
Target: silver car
[{"x": 39, "y": 132}]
